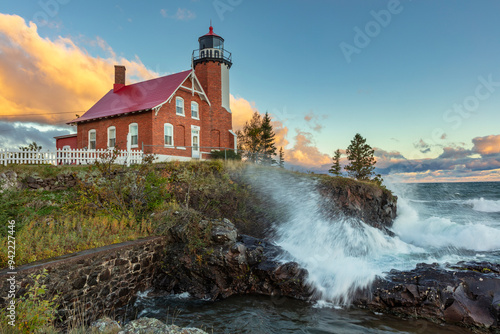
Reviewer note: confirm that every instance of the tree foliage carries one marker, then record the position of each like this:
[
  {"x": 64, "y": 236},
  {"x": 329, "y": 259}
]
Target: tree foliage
[
  {"x": 336, "y": 169},
  {"x": 267, "y": 139},
  {"x": 257, "y": 140},
  {"x": 361, "y": 160},
  {"x": 281, "y": 161},
  {"x": 31, "y": 147}
]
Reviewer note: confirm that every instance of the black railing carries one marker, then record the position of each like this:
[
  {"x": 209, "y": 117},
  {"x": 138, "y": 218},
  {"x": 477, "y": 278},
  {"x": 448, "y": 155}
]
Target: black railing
[{"x": 212, "y": 54}]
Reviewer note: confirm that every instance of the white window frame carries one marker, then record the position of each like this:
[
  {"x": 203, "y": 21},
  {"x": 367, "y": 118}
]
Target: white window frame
[
  {"x": 109, "y": 137},
  {"x": 94, "y": 132},
  {"x": 130, "y": 126},
  {"x": 165, "y": 127},
  {"x": 197, "y": 110},
  {"x": 178, "y": 100}
]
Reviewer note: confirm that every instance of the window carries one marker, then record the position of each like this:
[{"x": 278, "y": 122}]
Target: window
[
  {"x": 111, "y": 137},
  {"x": 92, "y": 139},
  {"x": 179, "y": 106},
  {"x": 194, "y": 110},
  {"x": 169, "y": 134},
  {"x": 134, "y": 134}
]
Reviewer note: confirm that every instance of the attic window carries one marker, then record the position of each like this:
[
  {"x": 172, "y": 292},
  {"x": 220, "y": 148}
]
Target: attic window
[
  {"x": 179, "y": 106},
  {"x": 92, "y": 139}
]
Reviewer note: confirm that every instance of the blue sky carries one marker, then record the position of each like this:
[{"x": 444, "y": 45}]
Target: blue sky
[{"x": 424, "y": 76}]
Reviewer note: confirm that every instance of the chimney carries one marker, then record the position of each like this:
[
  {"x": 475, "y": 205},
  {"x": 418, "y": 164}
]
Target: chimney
[{"x": 119, "y": 78}]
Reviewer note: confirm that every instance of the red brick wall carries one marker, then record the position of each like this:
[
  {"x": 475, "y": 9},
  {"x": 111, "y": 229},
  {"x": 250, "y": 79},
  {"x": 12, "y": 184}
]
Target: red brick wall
[
  {"x": 121, "y": 123},
  {"x": 61, "y": 142},
  {"x": 209, "y": 75},
  {"x": 181, "y": 124}
]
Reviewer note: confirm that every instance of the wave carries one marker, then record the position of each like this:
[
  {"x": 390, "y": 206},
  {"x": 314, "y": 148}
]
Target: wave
[
  {"x": 484, "y": 205},
  {"x": 439, "y": 232}
]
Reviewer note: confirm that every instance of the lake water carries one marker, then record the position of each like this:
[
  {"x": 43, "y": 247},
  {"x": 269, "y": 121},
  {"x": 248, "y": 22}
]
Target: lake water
[{"x": 441, "y": 222}]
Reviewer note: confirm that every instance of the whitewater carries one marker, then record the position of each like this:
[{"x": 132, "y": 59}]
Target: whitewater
[{"x": 435, "y": 224}]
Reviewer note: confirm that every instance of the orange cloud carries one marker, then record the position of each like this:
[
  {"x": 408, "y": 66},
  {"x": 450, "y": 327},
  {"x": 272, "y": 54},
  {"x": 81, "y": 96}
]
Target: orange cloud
[
  {"x": 486, "y": 145},
  {"x": 242, "y": 111},
  {"x": 305, "y": 153},
  {"x": 54, "y": 79}
]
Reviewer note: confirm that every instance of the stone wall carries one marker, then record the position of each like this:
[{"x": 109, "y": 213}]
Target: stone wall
[{"x": 94, "y": 282}]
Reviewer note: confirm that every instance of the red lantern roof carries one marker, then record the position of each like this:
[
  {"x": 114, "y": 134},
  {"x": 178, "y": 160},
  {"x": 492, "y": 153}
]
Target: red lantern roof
[{"x": 211, "y": 32}]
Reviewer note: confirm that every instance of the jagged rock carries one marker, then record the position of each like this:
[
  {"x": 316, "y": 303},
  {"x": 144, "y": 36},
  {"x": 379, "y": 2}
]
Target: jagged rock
[
  {"x": 230, "y": 264},
  {"x": 105, "y": 325},
  {"x": 368, "y": 202},
  {"x": 466, "y": 294},
  {"x": 61, "y": 182},
  {"x": 155, "y": 326},
  {"x": 8, "y": 180}
]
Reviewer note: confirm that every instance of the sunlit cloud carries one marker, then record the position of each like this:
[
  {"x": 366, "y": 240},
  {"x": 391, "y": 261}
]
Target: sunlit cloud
[
  {"x": 487, "y": 145},
  {"x": 304, "y": 152},
  {"x": 59, "y": 77}
]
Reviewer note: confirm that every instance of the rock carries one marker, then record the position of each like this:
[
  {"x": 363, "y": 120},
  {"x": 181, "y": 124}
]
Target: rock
[
  {"x": 366, "y": 201},
  {"x": 466, "y": 294},
  {"x": 155, "y": 326},
  {"x": 61, "y": 182},
  {"x": 230, "y": 264},
  {"x": 105, "y": 325},
  {"x": 8, "y": 180}
]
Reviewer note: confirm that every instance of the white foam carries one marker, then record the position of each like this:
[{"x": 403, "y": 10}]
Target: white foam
[
  {"x": 484, "y": 205},
  {"x": 440, "y": 232}
]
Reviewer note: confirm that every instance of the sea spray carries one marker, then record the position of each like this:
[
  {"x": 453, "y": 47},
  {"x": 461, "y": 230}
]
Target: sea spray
[{"x": 341, "y": 254}]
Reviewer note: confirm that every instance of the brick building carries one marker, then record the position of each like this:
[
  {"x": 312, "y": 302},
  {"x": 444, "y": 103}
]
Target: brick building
[{"x": 180, "y": 116}]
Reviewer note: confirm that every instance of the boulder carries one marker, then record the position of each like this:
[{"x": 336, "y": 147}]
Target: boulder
[{"x": 229, "y": 264}]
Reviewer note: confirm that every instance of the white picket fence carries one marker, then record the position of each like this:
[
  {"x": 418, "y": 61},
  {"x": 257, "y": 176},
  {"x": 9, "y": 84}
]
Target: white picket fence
[{"x": 67, "y": 157}]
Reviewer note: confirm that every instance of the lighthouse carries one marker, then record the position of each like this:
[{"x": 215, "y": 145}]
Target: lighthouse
[{"x": 211, "y": 63}]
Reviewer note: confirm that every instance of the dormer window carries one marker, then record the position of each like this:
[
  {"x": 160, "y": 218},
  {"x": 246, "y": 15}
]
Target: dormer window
[{"x": 179, "y": 106}]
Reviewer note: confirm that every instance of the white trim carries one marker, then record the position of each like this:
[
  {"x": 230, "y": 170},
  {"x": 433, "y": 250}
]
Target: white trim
[
  {"x": 129, "y": 130},
  {"x": 193, "y": 75},
  {"x": 181, "y": 148},
  {"x": 197, "y": 110},
  {"x": 178, "y": 98},
  {"x": 112, "y": 127},
  {"x": 95, "y": 139},
  {"x": 165, "y": 126}
]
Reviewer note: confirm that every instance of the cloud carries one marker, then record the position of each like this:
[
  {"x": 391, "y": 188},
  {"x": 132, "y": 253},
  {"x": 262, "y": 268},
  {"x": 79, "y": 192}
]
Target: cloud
[
  {"x": 304, "y": 152},
  {"x": 313, "y": 121},
  {"x": 242, "y": 111},
  {"x": 486, "y": 145},
  {"x": 48, "y": 81},
  {"x": 15, "y": 134},
  {"x": 182, "y": 14},
  {"x": 422, "y": 146}
]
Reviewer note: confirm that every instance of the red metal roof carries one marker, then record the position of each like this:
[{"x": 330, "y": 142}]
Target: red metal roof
[
  {"x": 211, "y": 32},
  {"x": 136, "y": 97}
]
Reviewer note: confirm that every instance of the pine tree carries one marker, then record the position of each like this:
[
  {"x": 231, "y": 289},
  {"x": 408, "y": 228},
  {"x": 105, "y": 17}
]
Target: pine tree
[
  {"x": 361, "y": 160},
  {"x": 281, "y": 161},
  {"x": 267, "y": 146},
  {"x": 336, "y": 168}
]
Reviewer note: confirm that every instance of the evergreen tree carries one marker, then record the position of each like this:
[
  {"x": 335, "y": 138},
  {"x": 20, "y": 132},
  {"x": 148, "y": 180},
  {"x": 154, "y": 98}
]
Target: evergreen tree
[
  {"x": 281, "y": 161},
  {"x": 336, "y": 168},
  {"x": 267, "y": 146},
  {"x": 361, "y": 160},
  {"x": 250, "y": 138}
]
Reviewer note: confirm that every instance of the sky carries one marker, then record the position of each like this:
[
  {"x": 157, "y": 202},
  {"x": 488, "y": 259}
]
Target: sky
[{"x": 420, "y": 80}]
